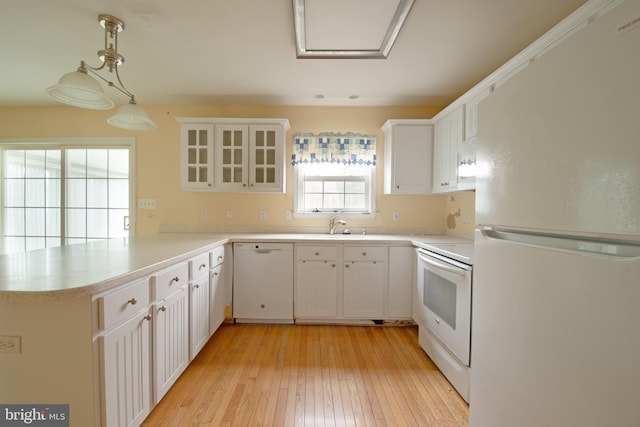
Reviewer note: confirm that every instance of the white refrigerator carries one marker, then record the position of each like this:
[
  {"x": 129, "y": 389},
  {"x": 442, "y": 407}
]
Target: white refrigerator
[{"x": 556, "y": 292}]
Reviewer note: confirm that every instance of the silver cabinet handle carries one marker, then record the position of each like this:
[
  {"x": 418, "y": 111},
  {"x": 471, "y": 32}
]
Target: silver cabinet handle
[
  {"x": 132, "y": 301},
  {"x": 175, "y": 279},
  {"x": 147, "y": 317},
  {"x": 364, "y": 254},
  {"x": 220, "y": 257},
  {"x": 196, "y": 286},
  {"x": 202, "y": 266},
  {"x": 163, "y": 308}
]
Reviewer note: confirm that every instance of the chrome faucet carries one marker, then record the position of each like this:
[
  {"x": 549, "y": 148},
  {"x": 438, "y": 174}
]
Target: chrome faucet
[{"x": 334, "y": 222}]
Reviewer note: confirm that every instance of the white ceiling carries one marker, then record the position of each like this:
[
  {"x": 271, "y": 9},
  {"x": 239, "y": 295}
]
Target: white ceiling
[{"x": 243, "y": 51}]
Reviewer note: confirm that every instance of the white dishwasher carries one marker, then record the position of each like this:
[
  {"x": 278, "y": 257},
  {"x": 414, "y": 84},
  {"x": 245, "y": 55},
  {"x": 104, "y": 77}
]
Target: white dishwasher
[{"x": 263, "y": 282}]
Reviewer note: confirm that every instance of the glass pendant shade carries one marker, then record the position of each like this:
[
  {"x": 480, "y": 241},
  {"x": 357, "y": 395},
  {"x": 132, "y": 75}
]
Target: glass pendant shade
[
  {"x": 131, "y": 117},
  {"x": 79, "y": 89}
]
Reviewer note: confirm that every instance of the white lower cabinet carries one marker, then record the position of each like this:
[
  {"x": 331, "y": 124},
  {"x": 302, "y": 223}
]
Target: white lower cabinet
[
  {"x": 123, "y": 333},
  {"x": 347, "y": 282},
  {"x": 316, "y": 283},
  {"x": 199, "y": 314},
  {"x": 170, "y": 340},
  {"x": 365, "y": 282}
]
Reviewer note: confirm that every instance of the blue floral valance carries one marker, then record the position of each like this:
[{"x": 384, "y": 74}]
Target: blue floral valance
[{"x": 344, "y": 148}]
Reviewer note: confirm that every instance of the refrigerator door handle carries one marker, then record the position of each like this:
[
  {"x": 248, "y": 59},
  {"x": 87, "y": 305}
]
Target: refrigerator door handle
[{"x": 606, "y": 248}]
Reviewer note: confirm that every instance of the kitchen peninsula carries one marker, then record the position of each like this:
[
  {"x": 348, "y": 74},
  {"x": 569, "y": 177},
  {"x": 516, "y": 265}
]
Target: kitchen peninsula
[{"x": 57, "y": 302}]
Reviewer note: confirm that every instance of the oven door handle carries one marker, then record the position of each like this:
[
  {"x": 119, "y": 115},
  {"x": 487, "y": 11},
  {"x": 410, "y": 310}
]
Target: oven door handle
[{"x": 445, "y": 267}]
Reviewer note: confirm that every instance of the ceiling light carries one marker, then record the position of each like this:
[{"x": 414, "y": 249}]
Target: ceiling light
[{"x": 79, "y": 89}]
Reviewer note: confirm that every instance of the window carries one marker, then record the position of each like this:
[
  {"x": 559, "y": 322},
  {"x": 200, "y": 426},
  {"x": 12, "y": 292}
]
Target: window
[
  {"x": 334, "y": 173},
  {"x": 64, "y": 192}
]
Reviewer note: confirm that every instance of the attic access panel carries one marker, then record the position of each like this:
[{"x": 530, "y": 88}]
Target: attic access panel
[{"x": 348, "y": 28}]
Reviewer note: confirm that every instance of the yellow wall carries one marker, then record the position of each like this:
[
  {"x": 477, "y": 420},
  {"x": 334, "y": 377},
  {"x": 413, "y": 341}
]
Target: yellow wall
[{"x": 158, "y": 163}]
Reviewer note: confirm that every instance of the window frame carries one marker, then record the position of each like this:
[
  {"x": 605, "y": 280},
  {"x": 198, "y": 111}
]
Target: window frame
[
  {"x": 298, "y": 197},
  {"x": 59, "y": 143}
]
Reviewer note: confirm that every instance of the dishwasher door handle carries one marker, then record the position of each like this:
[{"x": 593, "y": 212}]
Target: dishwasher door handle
[{"x": 266, "y": 251}]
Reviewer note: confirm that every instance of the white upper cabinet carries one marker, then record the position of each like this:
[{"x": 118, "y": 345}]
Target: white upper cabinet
[
  {"x": 233, "y": 155},
  {"x": 408, "y": 150},
  {"x": 197, "y": 157},
  {"x": 448, "y": 136}
]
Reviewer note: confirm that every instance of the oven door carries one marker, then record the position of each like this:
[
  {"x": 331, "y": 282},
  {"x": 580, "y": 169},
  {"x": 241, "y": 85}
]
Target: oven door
[{"x": 444, "y": 301}]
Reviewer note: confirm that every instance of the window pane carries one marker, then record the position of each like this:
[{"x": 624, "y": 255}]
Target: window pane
[
  {"x": 34, "y": 192},
  {"x": 52, "y": 192},
  {"x": 53, "y": 165},
  {"x": 355, "y": 201},
  {"x": 34, "y": 222},
  {"x": 14, "y": 221},
  {"x": 35, "y": 163},
  {"x": 76, "y": 193},
  {"x": 97, "y": 193},
  {"x": 116, "y": 223},
  {"x": 119, "y": 193},
  {"x": 312, "y": 201},
  {"x": 76, "y": 223},
  {"x": 333, "y": 201},
  {"x": 14, "y": 164},
  {"x": 119, "y": 163},
  {"x": 313, "y": 187},
  {"x": 334, "y": 186},
  {"x": 52, "y": 223},
  {"x": 14, "y": 192},
  {"x": 97, "y": 223},
  {"x": 355, "y": 187},
  {"x": 97, "y": 163},
  {"x": 76, "y": 163}
]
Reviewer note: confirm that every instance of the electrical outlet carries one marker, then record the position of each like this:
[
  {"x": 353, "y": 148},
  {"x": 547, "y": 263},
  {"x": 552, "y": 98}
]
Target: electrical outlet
[
  {"x": 287, "y": 214},
  {"x": 203, "y": 214},
  {"x": 263, "y": 214},
  {"x": 146, "y": 203},
  {"x": 228, "y": 214},
  {"x": 10, "y": 344},
  {"x": 396, "y": 216}
]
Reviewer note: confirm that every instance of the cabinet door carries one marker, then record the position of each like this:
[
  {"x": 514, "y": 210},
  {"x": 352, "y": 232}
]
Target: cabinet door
[
  {"x": 448, "y": 134},
  {"x": 217, "y": 299},
  {"x": 232, "y": 157},
  {"x": 126, "y": 372},
  {"x": 266, "y": 158},
  {"x": 316, "y": 289},
  {"x": 197, "y": 157},
  {"x": 401, "y": 271},
  {"x": 170, "y": 340},
  {"x": 365, "y": 286},
  {"x": 408, "y": 159},
  {"x": 198, "y": 314}
]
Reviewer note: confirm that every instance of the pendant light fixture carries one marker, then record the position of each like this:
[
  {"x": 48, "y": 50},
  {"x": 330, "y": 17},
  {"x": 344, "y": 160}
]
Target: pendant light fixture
[{"x": 79, "y": 89}]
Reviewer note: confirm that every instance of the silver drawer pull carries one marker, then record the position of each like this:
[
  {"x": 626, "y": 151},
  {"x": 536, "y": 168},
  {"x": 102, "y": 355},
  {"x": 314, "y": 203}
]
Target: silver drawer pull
[
  {"x": 202, "y": 266},
  {"x": 147, "y": 317},
  {"x": 175, "y": 279},
  {"x": 317, "y": 253},
  {"x": 364, "y": 254},
  {"x": 132, "y": 301},
  {"x": 215, "y": 274},
  {"x": 163, "y": 308},
  {"x": 196, "y": 286},
  {"x": 219, "y": 257}
]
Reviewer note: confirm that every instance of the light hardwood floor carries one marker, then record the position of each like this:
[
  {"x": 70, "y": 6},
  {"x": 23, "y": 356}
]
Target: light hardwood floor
[{"x": 311, "y": 375}]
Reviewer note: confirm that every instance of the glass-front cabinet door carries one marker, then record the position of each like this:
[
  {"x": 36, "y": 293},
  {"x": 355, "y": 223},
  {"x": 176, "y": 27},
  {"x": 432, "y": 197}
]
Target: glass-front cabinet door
[
  {"x": 232, "y": 157},
  {"x": 197, "y": 155},
  {"x": 266, "y": 163}
]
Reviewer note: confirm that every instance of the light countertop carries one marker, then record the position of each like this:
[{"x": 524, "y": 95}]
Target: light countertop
[{"x": 86, "y": 269}]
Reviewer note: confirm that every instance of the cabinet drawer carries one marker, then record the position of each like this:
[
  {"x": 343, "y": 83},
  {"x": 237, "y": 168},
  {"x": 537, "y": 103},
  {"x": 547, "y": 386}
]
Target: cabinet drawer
[
  {"x": 167, "y": 280},
  {"x": 119, "y": 305},
  {"x": 199, "y": 265},
  {"x": 216, "y": 256},
  {"x": 365, "y": 253},
  {"x": 317, "y": 253}
]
